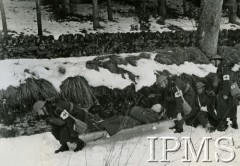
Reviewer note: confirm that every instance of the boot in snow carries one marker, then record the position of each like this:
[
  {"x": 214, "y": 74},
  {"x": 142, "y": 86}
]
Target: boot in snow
[
  {"x": 209, "y": 128},
  {"x": 80, "y": 144},
  {"x": 63, "y": 148},
  {"x": 179, "y": 127},
  {"x": 222, "y": 126},
  {"x": 234, "y": 124}
]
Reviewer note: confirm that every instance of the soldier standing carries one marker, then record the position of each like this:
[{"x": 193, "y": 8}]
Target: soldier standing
[{"x": 226, "y": 103}]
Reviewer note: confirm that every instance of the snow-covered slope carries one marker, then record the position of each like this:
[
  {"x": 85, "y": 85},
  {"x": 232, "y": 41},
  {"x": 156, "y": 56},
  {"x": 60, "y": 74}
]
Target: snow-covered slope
[
  {"x": 126, "y": 148},
  {"x": 130, "y": 147},
  {"x": 13, "y": 72}
]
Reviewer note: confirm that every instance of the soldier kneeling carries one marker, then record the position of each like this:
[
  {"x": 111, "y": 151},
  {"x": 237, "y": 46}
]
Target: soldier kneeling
[
  {"x": 184, "y": 97},
  {"x": 62, "y": 125}
]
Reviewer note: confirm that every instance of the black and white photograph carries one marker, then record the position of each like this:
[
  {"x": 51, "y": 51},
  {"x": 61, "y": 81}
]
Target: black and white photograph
[{"x": 119, "y": 82}]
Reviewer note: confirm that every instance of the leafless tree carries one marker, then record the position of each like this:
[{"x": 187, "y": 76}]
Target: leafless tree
[
  {"x": 4, "y": 22},
  {"x": 109, "y": 10},
  {"x": 96, "y": 23},
  {"x": 39, "y": 20},
  {"x": 232, "y": 8},
  {"x": 209, "y": 25},
  {"x": 162, "y": 9},
  {"x": 66, "y": 7}
]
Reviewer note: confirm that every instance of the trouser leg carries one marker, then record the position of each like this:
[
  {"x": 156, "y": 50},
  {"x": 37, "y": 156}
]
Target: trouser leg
[
  {"x": 64, "y": 135},
  {"x": 192, "y": 121},
  {"x": 202, "y": 118},
  {"x": 56, "y": 131},
  {"x": 223, "y": 109},
  {"x": 70, "y": 123},
  {"x": 80, "y": 144},
  {"x": 233, "y": 117},
  {"x": 61, "y": 134}
]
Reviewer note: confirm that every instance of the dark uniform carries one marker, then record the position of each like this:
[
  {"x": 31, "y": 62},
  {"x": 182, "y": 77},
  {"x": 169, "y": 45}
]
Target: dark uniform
[
  {"x": 205, "y": 100},
  {"x": 195, "y": 117},
  {"x": 62, "y": 130},
  {"x": 189, "y": 96},
  {"x": 225, "y": 108},
  {"x": 169, "y": 100},
  {"x": 210, "y": 100}
]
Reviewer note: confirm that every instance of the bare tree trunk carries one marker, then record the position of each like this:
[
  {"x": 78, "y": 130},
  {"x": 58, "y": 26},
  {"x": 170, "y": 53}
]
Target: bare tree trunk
[
  {"x": 238, "y": 8},
  {"x": 109, "y": 10},
  {"x": 137, "y": 6},
  {"x": 56, "y": 6},
  {"x": 96, "y": 24},
  {"x": 66, "y": 7},
  {"x": 232, "y": 11},
  {"x": 162, "y": 9},
  {"x": 4, "y": 22},
  {"x": 184, "y": 7},
  {"x": 144, "y": 7},
  {"x": 209, "y": 25},
  {"x": 39, "y": 20}
]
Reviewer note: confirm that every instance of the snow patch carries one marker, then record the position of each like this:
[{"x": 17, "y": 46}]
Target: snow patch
[
  {"x": 21, "y": 17},
  {"x": 14, "y": 72},
  {"x": 146, "y": 70},
  {"x": 125, "y": 148}
]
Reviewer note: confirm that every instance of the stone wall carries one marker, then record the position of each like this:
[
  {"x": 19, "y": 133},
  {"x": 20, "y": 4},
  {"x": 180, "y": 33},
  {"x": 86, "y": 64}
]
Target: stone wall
[{"x": 77, "y": 45}]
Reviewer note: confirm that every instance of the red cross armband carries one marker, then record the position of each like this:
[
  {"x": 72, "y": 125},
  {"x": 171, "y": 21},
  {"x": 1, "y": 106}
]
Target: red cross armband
[{"x": 226, "y": 78}]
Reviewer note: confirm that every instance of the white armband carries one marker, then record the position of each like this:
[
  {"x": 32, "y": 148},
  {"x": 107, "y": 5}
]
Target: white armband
[
  {"x": 226, "y": 77},
  {"x": 64, "y": 115},
  {"x": 233, "y": 86},
  {"x": 204, "y": 109},
  {"x": 178, "y": 94}
]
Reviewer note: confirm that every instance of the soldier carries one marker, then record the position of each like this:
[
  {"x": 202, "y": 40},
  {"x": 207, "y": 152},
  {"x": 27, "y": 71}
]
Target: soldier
[
  {"x": 205, "y": 106},
  {"x": 180, "y": 88},
  {"x": 66, "y": 133},
  {"x": 170, "y": 108},
  {"x": 226, "y": 104},
  {"x": 165, "y": 97},
  {"x": 62, "y": 127}
]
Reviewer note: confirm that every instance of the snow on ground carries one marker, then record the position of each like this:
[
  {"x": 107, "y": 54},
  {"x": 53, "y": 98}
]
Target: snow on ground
[
  {"x": 127, "y": 148},
  {"x": 14, "y": 72},
  {"x": 21, "y": 17}
]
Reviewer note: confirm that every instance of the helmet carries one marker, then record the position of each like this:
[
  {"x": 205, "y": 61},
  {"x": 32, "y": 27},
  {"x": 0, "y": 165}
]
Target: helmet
[
  {"x": 216, "y": 57},
  {"x": 200, "y": 85}
]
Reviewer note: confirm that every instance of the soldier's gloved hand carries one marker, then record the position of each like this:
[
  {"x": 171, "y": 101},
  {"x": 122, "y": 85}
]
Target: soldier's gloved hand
[
  {"x": 225, "y": 97},
  {"x": 179, "y": 116}
]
